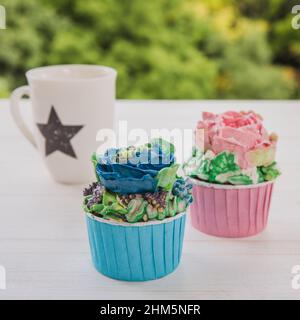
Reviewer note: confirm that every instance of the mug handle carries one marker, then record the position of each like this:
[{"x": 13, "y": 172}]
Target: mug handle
[{"x": 15, "y": 98}]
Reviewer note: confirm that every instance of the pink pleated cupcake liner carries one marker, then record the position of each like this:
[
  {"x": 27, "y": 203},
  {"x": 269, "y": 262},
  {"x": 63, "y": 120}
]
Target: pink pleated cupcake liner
[{"x": 230, "y": 211}]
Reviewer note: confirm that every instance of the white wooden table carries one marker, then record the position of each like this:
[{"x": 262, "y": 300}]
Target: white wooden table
[{"x": 43, "y": 239}]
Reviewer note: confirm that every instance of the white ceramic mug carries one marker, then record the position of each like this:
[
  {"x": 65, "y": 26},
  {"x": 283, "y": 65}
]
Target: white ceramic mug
[{"x": 70, "y": 104}]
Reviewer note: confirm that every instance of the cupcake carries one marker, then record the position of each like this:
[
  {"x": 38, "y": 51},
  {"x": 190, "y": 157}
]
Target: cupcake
[
  {"x": 135, "y": 212},
  {"x": 233, "y": 170}
]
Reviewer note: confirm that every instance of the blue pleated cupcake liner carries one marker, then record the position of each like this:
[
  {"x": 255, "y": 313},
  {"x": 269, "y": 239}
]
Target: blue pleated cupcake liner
[{"x": 136, "y": 252}]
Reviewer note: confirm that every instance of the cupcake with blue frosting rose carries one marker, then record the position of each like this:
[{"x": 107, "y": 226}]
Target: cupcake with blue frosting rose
[{"x": 135, "y": 211}]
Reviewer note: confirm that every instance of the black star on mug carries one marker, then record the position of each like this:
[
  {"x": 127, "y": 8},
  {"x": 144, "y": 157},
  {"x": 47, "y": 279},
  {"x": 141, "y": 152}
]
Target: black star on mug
[{"x": 57, "y": 135}]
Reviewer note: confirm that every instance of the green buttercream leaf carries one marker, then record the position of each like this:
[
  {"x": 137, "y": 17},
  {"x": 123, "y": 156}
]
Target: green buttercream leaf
[
  {"x": 109, "y": 198},
  {"x": 117, "y": 208},
  {"x": 261, "y": 177},
  {"x": 134, "y": 204},
  {"x": 224, "y": 162},
  {"x": 136, "y": 210},
  {"x": 240, "y": 180},
  {"x": 202, "y": 172},
  {"x": 98, "y": 207},
  {"x": 172, "y": 207},
  {"x": 162, "y": 215},
  {"x": 105, "y": 211},
  {"x": 270, "y": 172},
  {"x": 151, "y": 212},
  {"x": 166, "y": 177}
]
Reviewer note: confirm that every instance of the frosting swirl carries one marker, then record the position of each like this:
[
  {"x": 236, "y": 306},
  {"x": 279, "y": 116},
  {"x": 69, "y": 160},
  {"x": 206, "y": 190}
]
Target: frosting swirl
[
  {"x": 133, "y": 169},
  {"x": 241, "y": 133}
]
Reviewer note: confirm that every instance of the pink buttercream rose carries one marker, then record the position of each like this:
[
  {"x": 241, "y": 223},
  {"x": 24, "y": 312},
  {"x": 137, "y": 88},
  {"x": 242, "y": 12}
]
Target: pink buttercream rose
[{"x": 241, "y": 133}]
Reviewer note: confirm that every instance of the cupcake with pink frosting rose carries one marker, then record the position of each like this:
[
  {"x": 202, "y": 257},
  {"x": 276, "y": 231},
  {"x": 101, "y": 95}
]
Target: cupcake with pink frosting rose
[{"x": 233, "y": 170}]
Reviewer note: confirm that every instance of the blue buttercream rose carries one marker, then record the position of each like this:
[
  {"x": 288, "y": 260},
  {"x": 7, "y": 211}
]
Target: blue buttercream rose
[{"x": 134, "y": 169}]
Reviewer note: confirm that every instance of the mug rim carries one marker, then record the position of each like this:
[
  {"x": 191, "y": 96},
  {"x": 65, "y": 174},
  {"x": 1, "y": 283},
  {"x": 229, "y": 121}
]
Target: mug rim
[{"x": 34, "y": 74}]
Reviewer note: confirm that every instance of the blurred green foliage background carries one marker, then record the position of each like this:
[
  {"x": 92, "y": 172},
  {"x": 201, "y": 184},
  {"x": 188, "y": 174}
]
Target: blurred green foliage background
[{"x": 162, "y": 49}]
